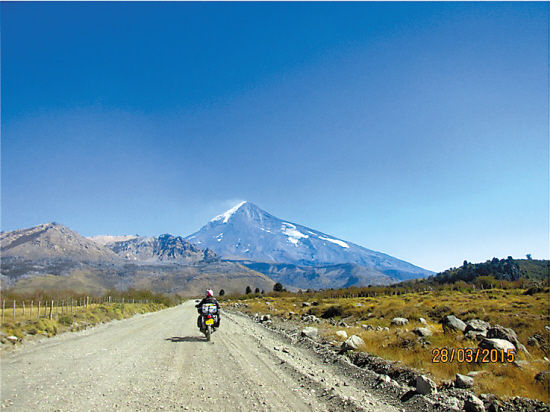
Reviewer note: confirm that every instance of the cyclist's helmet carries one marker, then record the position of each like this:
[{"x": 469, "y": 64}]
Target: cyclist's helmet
[{"x": 209, "y": 292}]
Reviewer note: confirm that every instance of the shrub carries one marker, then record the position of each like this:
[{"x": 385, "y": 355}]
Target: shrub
[{"x": 331, "y": 312}]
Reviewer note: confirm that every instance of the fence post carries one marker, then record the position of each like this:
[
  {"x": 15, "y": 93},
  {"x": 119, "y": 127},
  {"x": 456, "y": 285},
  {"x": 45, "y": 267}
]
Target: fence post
[
  {"x": 14, "y": 310},
  {"x": 38, "y": 309},
  {"x": 23, "y": 302},
  {"x": 71, "y": 306},
  {"x": 109, "y": 299},
  {"x": 87, "y": 300},
  {"x": 51, "y": 310},
  {"x": 32, "y": 306},
  {"x": 3, "y": 309}
]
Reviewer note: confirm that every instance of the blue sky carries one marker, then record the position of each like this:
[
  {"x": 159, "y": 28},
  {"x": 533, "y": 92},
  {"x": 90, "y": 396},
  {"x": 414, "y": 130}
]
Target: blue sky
[{"x": 415, "y": 129}]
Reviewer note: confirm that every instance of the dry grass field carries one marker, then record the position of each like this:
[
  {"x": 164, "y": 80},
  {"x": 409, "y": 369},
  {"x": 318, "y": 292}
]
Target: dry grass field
[{"x": 527, "y": 315}]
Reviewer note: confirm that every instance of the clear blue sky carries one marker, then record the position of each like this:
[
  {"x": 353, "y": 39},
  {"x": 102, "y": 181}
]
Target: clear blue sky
[{"x": 415, "y": 129}]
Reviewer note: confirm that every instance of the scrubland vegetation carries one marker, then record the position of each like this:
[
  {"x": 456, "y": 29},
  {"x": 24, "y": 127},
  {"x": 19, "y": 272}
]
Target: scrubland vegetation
[
  {"x": 76, "y": 315},
  {"x": 521, "y": 304}
]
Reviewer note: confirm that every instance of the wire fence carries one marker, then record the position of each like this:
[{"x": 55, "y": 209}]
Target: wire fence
[{"x": 17, "y": 310}]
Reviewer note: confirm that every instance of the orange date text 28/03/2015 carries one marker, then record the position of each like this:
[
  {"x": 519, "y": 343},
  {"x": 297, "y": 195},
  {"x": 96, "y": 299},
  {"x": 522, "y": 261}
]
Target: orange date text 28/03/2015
[{"x": 472, "y": 355}]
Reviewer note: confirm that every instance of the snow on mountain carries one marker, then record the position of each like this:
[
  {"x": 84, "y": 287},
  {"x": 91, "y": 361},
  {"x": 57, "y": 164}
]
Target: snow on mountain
[{"x": 248, "y": 232}]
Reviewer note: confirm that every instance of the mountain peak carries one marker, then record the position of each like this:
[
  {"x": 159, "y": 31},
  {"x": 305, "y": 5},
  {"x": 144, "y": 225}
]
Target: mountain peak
[{"x": 224, "y": 217}]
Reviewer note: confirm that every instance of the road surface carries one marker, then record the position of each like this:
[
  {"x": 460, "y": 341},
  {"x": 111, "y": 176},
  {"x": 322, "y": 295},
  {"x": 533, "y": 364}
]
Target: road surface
[{"x": 161, "y": 361}]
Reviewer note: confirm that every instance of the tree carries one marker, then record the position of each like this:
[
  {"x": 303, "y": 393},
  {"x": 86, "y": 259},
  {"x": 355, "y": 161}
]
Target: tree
[
  {"x": 277, "y": 287},
  {"x": 257, "y": 290},
  {"x": 528, "y": 256},
  {"x": 263, "y": 291},
  {"x": 248, "y": 290},
  {"x": 222, "y": 292}
]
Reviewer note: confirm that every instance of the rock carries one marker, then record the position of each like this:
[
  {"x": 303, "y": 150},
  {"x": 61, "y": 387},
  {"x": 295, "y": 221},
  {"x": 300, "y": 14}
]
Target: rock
[
  {"x": 286, "y": 350},
  {"x": 384, "y": 378},
  {"x": 12, "y": 339},
  {"x": 477, "y": 325},
  {"x": 424, "y": 332},
  {"x": 379, "y": 329},
  {"x": 473, "y": 404},
  {"x": 310, "y": 332},
  {"x": 498, "y": 344},
  {"x": 306, "y": 304},
  {"x": 547, "y": 328},
  {"x": 500, "y": 332},
  {"x": 452, "y": 324},
  {"x": 463, "y": 381},
  {"x": 422, "y": 321},
  {"x": 342, "y": 333},
  {"x": 353, "y": 342},
  {"x": 425, "y": 385},
  {"x": 310, "y": 318},
  {"x": 370, "y": 315},
  {"x": 474, "y": 373},
  {"x": 387, "y": 329},
  {"x": 276, "y": 348},
  {"x": 343, "y": 324},
  {"x": 399, "y": 321},
  {"x": 367, "y": 327},
  {"x": 475, "y": 335},
  {"x": 358, "y": 305},
  {"x": 265, "y": 318}
]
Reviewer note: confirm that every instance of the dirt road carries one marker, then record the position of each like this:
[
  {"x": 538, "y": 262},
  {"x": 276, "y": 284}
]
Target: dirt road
[{"x": 161, "y": 361}]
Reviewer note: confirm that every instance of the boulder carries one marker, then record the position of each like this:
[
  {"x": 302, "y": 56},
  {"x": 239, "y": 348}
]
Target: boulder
[
  {"x": 353, "y": 342},
  {"x": 306, "y": 304},
  {"x": 12, "y": 339},
  {"x": 423, "y": 332},
  {"x": 473, "y": 404},
  {"x": 477, "y": 325},
  {"x": 498, "y": 344},
  {"x": 500, "y": 332},
  {"x": 310, "y": 332},
  {"x": 425, "y": 385},
  {"x": 452, "y": 324},
  {"x": 475, "y": 335},
  {"x": 342, "y": 334},
  {"x": 399, "y": 321},
  {"x": 265, "y": 318},
  {"x": 367, "y": 327},
  {"x": 463, "y": 381},
  {"x": 422, "y": 321}
]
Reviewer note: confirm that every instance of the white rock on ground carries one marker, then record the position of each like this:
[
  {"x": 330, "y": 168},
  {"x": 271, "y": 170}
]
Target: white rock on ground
[
  {"x": 310, "y": 332},
  {"x": 473, "y": 404},
  {"x": 342, "y": 333},
  {"x": 353, "y": 342},
  {"x": 498, "y": 344},
  {"x": 422, "y": 332},
  {"x": 463, "y": 381},
  {"x": 399, "y": 321}
]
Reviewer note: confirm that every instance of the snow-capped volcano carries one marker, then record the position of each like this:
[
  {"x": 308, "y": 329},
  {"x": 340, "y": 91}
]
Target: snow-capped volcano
[{"x": 249, "y": 233}]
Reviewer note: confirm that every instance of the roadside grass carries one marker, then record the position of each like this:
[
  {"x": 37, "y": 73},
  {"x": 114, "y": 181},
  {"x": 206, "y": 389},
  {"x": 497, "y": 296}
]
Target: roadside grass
[
  {"x": 96, "y": 313},
  {"x": 526, "y": 314}
]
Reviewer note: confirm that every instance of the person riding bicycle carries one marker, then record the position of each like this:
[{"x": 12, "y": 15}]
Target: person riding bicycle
[{"x": 209, "y": 298}]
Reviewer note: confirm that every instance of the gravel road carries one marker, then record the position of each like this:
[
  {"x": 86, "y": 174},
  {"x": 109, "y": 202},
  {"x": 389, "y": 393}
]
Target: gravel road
[{"x": 161, "y": 361}]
